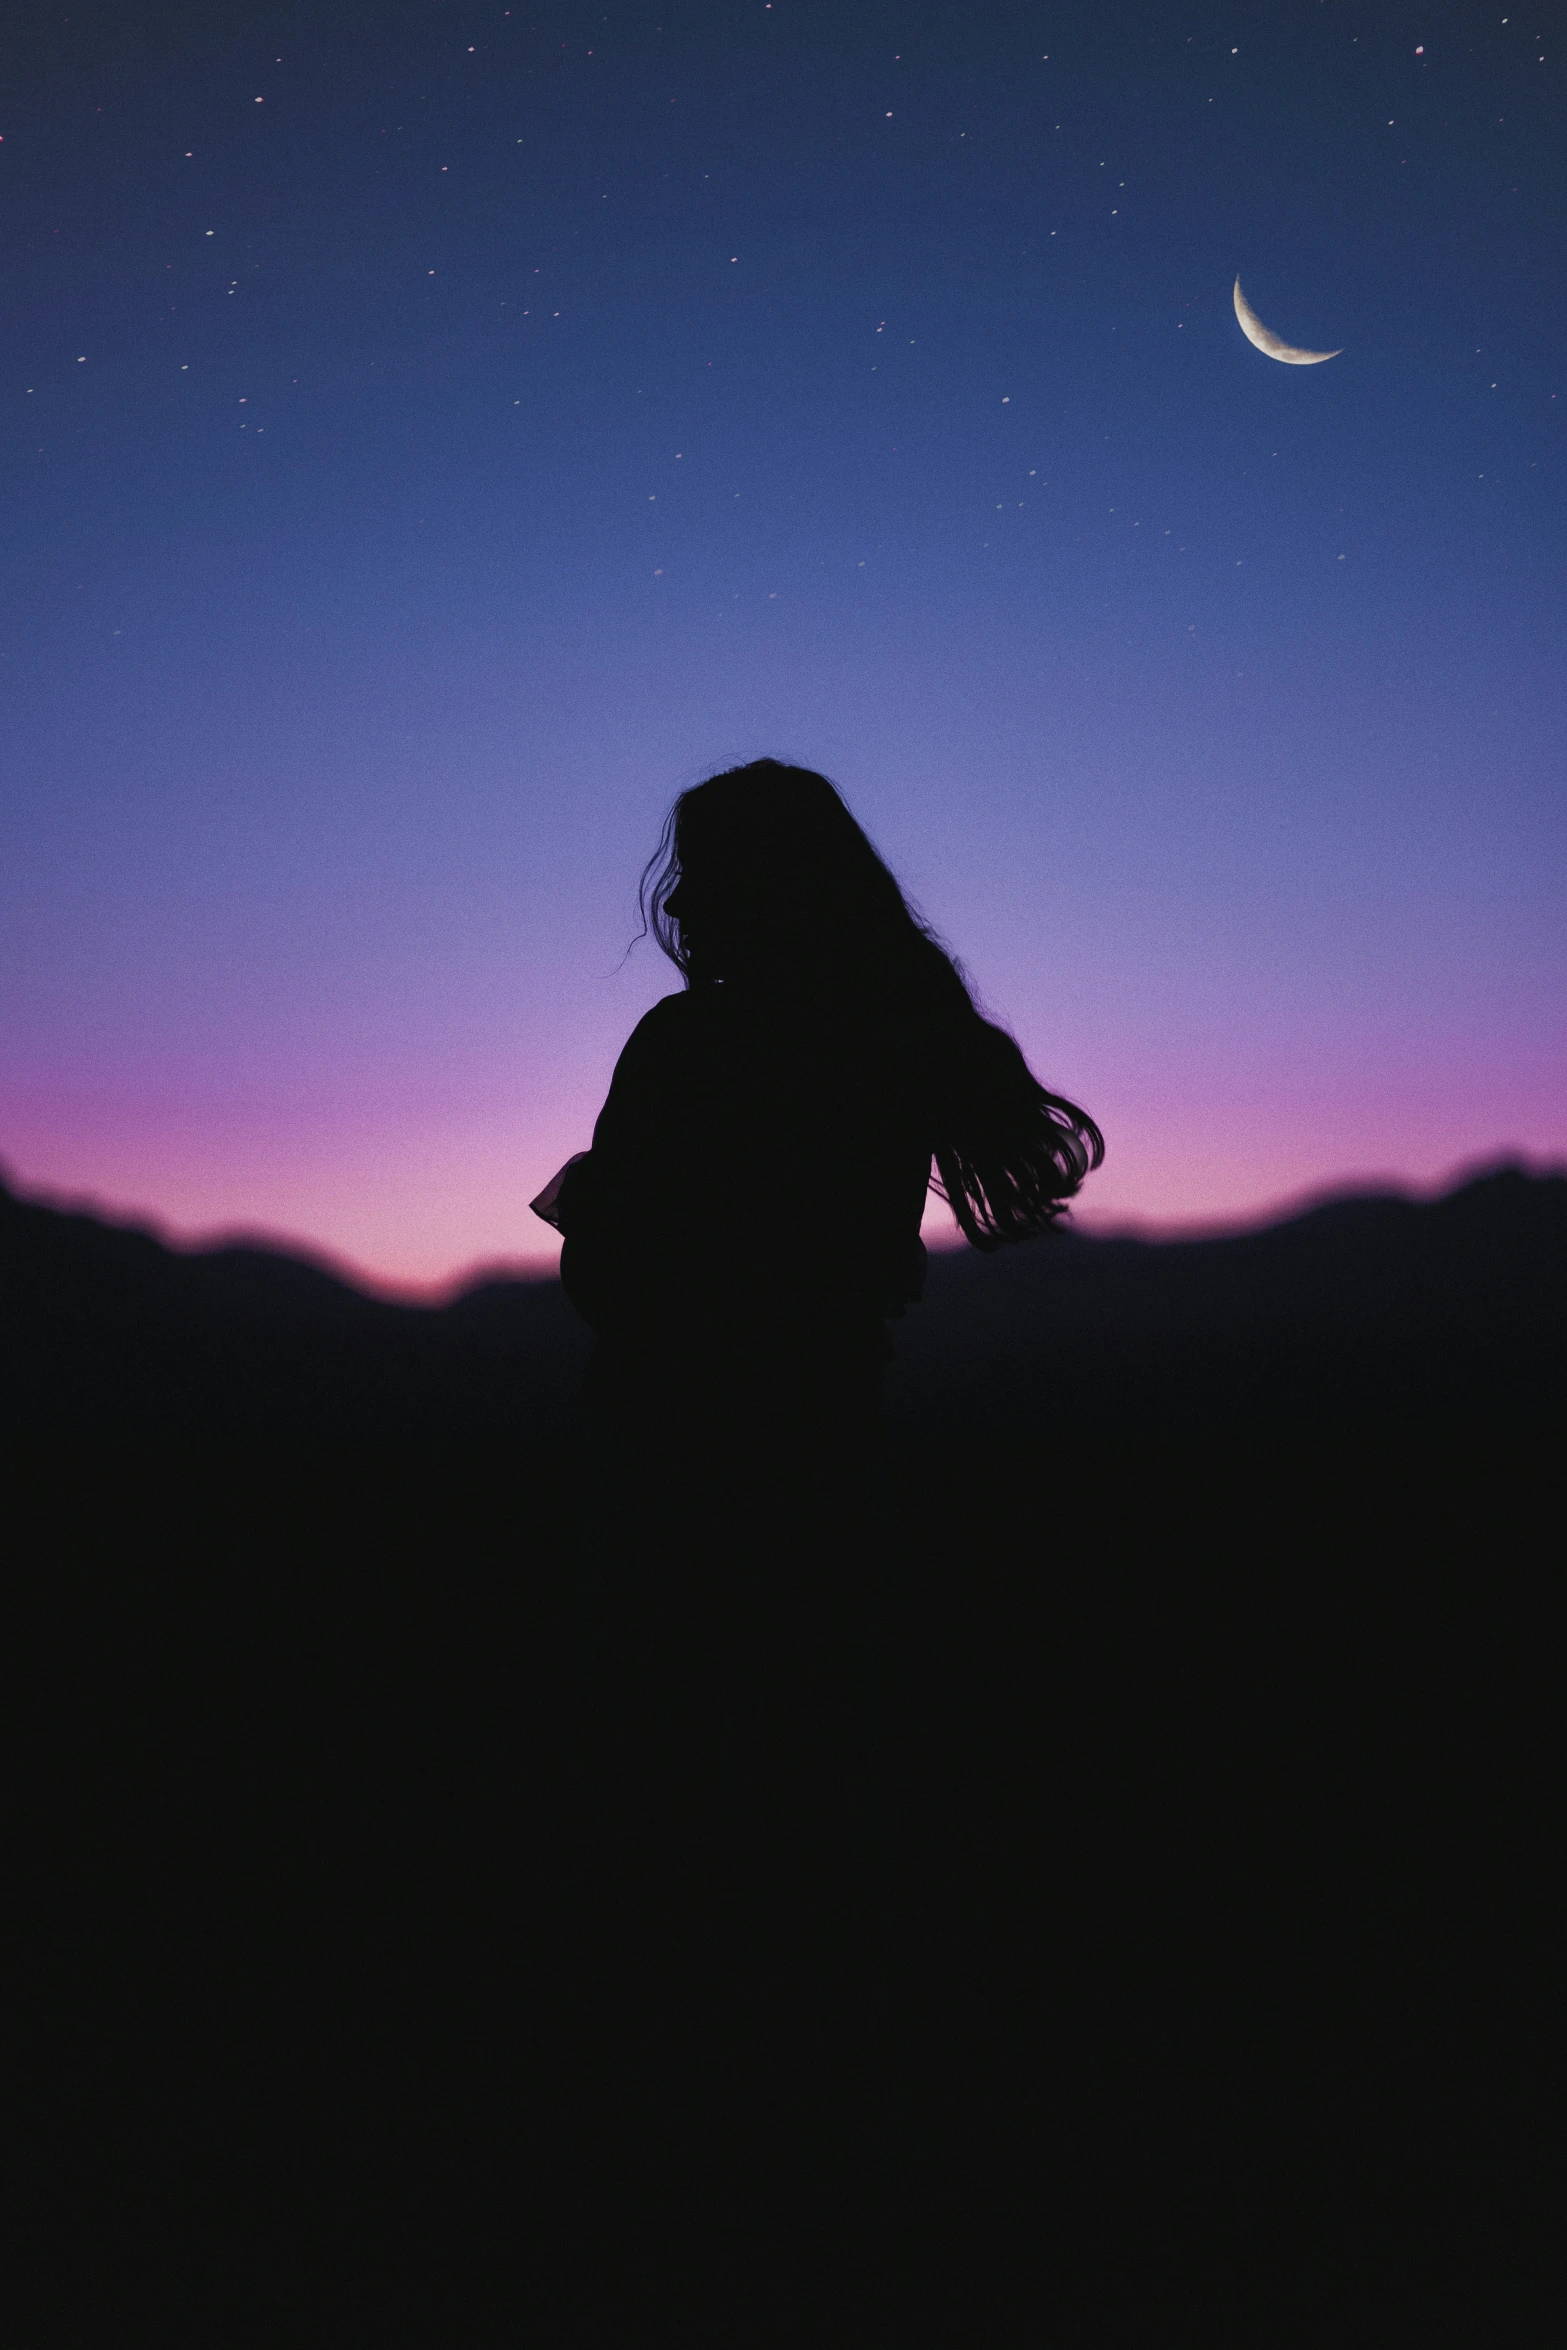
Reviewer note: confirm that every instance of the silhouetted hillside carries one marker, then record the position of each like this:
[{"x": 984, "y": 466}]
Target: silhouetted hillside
[
  {"x": 1366, "y": 1307},
  {"x": 1125, "y": 1918},
  {"x": 105, "y": 1330}
]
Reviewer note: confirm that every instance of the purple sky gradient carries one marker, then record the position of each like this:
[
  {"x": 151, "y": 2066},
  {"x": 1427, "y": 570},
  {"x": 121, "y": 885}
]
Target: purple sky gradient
[{"x": 362, "y": 628}]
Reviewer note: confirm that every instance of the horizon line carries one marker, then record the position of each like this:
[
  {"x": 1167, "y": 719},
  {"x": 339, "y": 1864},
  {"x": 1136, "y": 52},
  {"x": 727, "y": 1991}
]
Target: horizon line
[{"x": 443, "y": 1290}]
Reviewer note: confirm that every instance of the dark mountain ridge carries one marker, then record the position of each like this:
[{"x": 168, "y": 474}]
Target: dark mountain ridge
[
  {"x": 1122, "y": 1882},
  {"x": 1370, "y": 1306}
]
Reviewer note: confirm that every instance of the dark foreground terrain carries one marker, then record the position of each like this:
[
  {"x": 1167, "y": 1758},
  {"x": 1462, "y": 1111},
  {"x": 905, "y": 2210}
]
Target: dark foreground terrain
[{"x": 1118, "y": 1904}]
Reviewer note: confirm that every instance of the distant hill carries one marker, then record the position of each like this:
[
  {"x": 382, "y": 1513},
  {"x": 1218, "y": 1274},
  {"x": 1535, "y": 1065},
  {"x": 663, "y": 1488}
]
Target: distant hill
[
  {"x": 1364, "y": 1308},
  {"x": 105, "y": 1330},
  {"x": 1125, "y": 1849}
]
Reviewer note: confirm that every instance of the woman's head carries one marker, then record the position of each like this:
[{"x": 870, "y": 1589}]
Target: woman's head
[
  {"x": 764, "y": 882},
  {"x": 763, "y": 876}
]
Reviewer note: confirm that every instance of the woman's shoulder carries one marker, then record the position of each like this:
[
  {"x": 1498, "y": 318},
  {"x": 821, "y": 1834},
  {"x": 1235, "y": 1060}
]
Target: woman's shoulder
[
  {"x": 668, "y": 1016},
  {"x": 662, "y": 1028},
  {"x": 661, "y": 1039}
]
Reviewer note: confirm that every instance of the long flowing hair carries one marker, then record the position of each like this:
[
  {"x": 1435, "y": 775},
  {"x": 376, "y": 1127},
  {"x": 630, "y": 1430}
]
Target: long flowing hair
[{"x": 792, "y": 894}]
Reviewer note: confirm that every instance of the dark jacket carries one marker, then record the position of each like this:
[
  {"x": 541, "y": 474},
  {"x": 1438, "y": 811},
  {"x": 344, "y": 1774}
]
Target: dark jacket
[{"x": 749, "y": 1213}]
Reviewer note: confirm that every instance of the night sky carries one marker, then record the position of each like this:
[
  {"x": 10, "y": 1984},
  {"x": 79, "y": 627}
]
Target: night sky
[{"x": 433, "y": 435}]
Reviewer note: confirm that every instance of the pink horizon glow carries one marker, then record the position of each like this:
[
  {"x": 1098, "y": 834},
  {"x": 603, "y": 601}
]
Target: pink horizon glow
[{"x": 428, "y": 1225}]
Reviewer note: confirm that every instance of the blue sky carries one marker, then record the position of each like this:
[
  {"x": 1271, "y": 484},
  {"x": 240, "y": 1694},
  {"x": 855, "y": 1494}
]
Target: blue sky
[{"x": 435, "y": 435}]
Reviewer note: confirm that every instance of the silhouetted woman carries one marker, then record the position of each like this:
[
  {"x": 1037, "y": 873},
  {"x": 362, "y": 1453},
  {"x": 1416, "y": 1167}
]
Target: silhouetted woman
[{"x": 749, "y": 1215}]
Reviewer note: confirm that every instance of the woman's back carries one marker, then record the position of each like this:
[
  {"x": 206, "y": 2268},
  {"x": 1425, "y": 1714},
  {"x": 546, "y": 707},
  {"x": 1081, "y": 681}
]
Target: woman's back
[{"x": 750, "y": 1212}]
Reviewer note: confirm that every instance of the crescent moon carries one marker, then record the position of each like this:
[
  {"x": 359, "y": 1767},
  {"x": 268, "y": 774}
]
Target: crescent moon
[{"x": 1266, "y": 340}]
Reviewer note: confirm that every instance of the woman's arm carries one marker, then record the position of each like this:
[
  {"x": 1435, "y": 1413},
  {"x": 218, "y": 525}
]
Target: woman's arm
[
  {"x": 547, "y": 1205},
  {"x": 613, "y": 1204}
]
